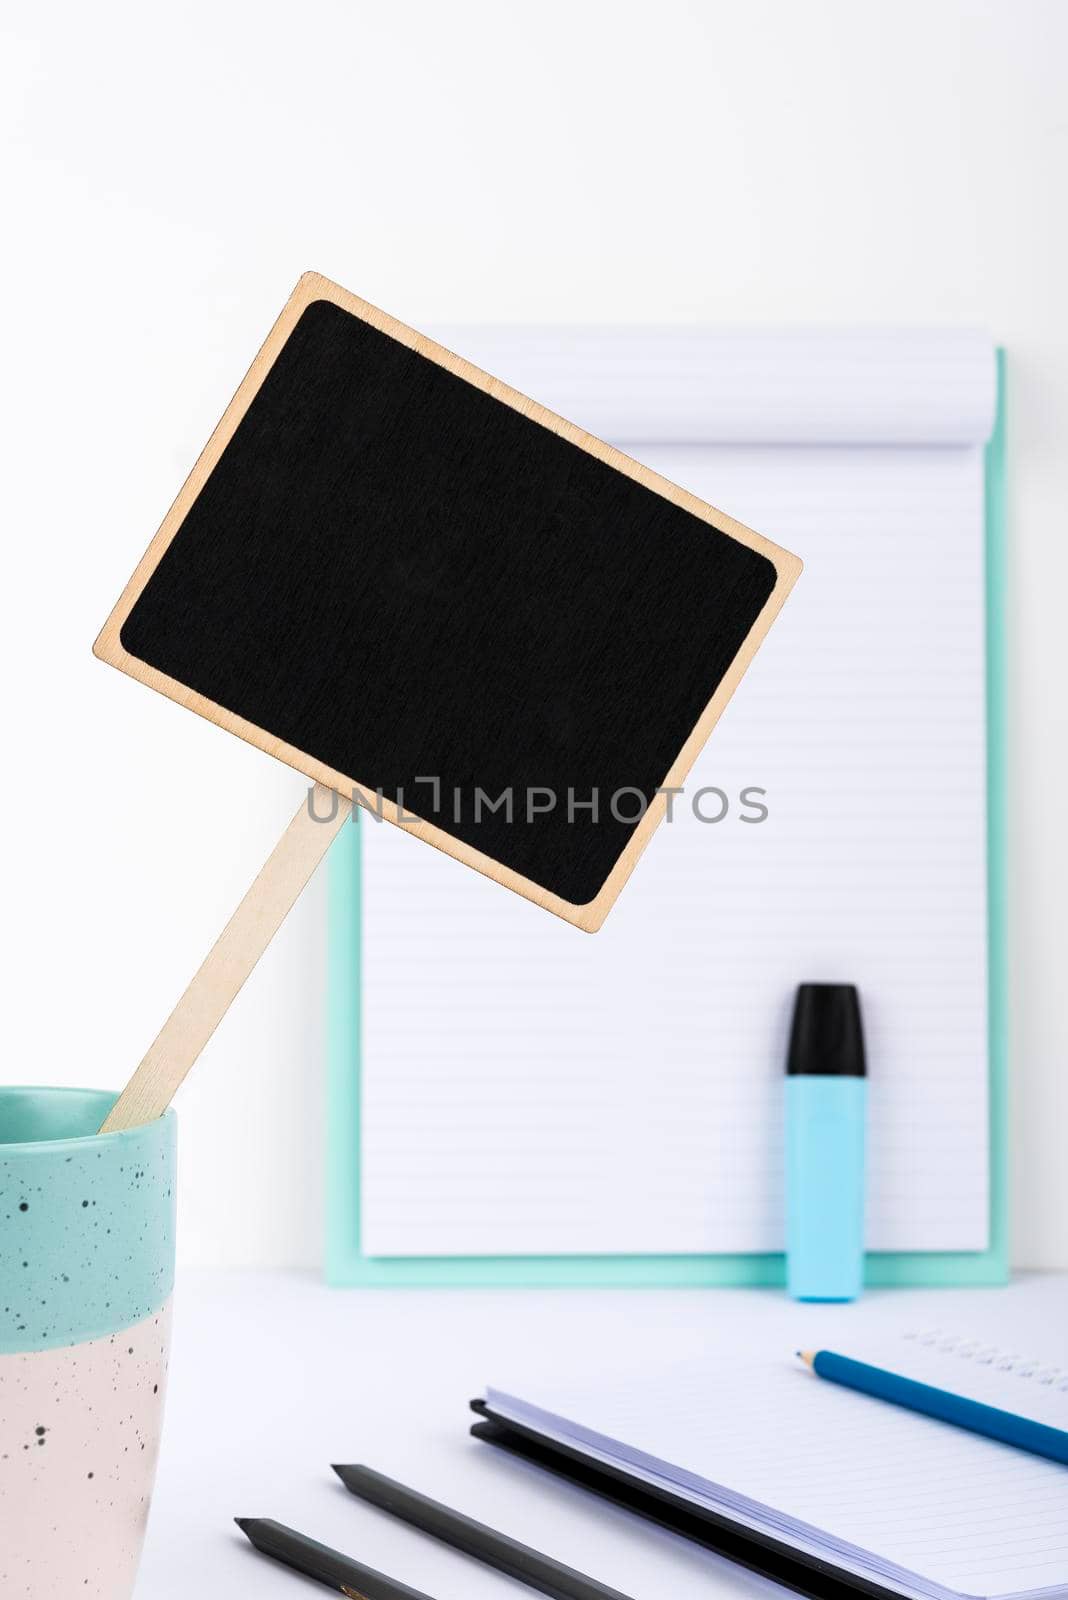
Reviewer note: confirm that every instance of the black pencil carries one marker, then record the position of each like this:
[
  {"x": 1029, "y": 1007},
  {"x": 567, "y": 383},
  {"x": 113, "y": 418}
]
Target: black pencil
[
  {"x": 318, "y": 1561},
  {"x": 473, "y": 1538}
]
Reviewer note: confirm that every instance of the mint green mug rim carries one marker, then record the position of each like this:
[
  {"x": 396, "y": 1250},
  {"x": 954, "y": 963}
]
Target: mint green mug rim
[
  {"x": 61, "y": 1091},
  {"x": 86, "y": 1219}
]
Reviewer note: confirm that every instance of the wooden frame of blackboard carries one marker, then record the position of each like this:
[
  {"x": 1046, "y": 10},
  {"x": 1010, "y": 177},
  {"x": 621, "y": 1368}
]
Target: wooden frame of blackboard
[{"x": 109, "y": 647}]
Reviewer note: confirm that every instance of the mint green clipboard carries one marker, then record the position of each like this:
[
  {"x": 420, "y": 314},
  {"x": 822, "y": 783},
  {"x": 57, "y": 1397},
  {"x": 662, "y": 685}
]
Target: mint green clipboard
[{"x": 346, "y": 1265}]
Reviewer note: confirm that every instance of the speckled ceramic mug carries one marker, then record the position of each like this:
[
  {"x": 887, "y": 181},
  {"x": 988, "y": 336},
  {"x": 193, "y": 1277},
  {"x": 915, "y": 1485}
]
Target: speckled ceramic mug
[{"x": 86, "y": 1272}]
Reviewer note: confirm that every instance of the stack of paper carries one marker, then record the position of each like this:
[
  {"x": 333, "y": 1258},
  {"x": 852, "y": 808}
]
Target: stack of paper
[{"x": 530, "y": 1090}]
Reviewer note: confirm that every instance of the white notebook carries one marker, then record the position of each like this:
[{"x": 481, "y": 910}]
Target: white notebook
[
  {"x": 530, "y": 1090},
  {"x": 924, "y": 1508}
]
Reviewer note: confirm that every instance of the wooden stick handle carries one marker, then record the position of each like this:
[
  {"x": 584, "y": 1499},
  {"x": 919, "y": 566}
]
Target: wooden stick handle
[{"x": 231, "y": 959}]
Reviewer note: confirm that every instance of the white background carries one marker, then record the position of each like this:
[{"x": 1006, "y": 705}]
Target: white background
[{"x": 170, "y": 172}]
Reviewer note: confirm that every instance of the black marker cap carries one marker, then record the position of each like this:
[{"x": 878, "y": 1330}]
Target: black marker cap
[{"x": 827, "y": 1038}]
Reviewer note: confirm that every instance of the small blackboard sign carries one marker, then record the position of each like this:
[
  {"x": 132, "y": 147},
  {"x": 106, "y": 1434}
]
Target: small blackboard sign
[{"x": 409, "y": 581}]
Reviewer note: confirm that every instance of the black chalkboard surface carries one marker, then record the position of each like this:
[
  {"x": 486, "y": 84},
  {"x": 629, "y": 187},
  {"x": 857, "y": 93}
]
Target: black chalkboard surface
[{"x": 401, "y": 576}]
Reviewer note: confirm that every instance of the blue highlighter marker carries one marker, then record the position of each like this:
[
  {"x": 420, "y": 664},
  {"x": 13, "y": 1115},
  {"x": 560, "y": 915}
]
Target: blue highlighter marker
[{"x": 826, "y": 1112}]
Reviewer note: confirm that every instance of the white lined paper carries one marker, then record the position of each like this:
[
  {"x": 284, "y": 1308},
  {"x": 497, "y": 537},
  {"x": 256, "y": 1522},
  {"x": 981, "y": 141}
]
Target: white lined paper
[{"x": 530, "y": 1090}]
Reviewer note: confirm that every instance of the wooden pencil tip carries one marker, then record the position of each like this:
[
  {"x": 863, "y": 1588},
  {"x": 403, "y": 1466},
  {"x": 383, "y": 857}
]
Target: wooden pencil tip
[{"x": 807, "y": 1356}]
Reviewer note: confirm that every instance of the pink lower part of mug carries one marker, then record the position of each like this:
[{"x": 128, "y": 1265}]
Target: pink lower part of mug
[{"x": 79, "y": 1438}]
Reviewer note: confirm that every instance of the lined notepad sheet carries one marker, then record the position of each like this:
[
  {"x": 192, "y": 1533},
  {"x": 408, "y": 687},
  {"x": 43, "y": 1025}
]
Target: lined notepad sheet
[
  {"x": 921, "y": 1506},
  {"x": 527, "y": 1090}
]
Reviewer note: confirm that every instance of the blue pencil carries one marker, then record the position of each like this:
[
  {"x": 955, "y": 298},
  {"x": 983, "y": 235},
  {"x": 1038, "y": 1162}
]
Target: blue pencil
[{"x": 1006, "y": 1426}]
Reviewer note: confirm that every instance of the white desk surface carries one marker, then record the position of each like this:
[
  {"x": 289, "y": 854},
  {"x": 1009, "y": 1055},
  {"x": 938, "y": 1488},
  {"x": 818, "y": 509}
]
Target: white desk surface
[{"x": 274, "y": 1376}]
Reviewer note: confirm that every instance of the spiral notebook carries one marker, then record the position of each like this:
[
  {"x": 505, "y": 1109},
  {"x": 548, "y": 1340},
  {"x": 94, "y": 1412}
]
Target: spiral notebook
[{"x": 909, "y": 1504}]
